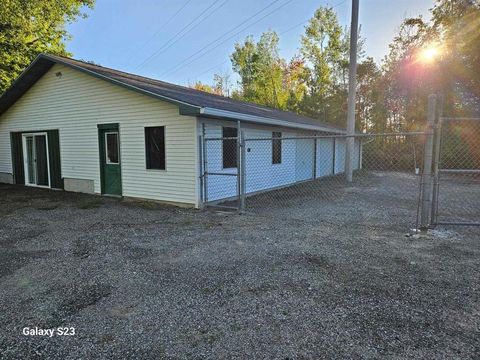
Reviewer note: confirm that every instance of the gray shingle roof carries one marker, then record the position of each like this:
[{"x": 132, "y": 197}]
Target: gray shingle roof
[{"x": 176, "y": 93}]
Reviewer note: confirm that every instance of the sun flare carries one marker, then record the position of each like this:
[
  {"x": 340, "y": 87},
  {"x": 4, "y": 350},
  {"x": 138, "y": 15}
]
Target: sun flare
[{"x": 429, "y": 53}]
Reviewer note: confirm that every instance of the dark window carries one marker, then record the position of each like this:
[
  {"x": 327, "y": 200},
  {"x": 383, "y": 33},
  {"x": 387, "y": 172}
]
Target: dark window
[
  {"x": 155, "y": 147},
  {"x": 112, "y": 147},
  {"x": 276, "y": 147},
  {"x": 229, "y": 148}
]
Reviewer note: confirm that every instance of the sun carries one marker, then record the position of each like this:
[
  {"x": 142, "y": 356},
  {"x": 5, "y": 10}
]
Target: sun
[{"x": 429, "y": 53}]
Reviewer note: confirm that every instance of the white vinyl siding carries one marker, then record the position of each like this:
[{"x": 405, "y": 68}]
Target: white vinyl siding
[
  {"x": 298, "y": 158},
  {"x": 324, "y": 157},
  {"x": 74, "y": 103}
]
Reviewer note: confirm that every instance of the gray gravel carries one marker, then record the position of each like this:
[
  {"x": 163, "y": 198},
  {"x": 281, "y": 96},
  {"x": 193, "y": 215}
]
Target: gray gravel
[{"x": 331, "y": 276}]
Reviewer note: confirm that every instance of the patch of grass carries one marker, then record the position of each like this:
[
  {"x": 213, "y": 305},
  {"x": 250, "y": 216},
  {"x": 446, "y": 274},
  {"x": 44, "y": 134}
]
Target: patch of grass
[
  {"x": 207, "y": 290},
  {"x": 147, "y": 205},
  {"x": 400, "y": 260},
  {"x": 90, "y": 203},
  {"x": 318, "y": 260},
  {"x": 235, "y": 327},
  {"x": 187, "y": 222},
  {"x": 211, "y": 339},
  {"x": 212, "y": 224},
  {"x": 106, "y": 339},
  {"x": 144, "y": 204},
  {"x": 47, "y": 207}
]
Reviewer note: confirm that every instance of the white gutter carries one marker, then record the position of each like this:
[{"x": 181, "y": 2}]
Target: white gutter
[{"x": 264, "y": 120}]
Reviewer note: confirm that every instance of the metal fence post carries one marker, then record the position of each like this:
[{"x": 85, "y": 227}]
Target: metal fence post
[
  {"x": 205, "y": 168},
  {"x": 427, "y": 166},
  {"x": 201, "y": 171},
  {"x": 436, "y": 158},
  {"x": 243, "y": 178},
  {"x": 239, "y": 165}
]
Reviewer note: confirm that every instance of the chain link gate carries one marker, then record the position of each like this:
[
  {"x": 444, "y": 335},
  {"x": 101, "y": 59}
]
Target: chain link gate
[
  {"x": 457, "y": 172},
  {"x": 222, "y": 179}
]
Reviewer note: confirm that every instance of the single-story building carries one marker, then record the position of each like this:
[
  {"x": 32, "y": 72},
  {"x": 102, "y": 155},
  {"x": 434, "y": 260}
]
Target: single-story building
[{"x": 72, "y": 125}]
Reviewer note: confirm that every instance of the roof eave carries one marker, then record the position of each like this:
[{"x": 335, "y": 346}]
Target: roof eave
[
  {"x": 18, "y": 89},
  {"x": 185, "y": 107},
  {"x": 27, "y": 79},
  {"x": 218, "y": 113}
]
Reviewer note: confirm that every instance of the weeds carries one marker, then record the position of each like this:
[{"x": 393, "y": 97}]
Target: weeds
[{"x": 90, "y": 203}]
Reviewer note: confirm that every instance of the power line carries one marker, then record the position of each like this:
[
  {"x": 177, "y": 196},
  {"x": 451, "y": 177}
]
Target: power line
[
  {"x": 173, "y": 38},
  {"x": 305, "y": 21},
  {"x": 234, "y": 28},
  {"x": 212, "y": 68},
  {"x": 163, "y": 26},
  {"x": 185, "y": 62},
  {"x": 281, "y": 33},
  {"x": 183, "y": 35}
]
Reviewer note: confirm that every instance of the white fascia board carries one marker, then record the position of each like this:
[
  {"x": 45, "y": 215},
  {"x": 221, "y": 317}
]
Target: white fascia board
[{"x": 264, "y": 120}]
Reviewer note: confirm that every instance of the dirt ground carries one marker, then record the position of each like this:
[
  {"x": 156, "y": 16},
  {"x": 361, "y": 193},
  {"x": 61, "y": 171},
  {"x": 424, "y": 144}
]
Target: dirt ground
[{"x": 303, "y": 274}]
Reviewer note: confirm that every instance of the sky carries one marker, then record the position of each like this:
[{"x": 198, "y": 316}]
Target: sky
[{"x": 183, "y": 41}]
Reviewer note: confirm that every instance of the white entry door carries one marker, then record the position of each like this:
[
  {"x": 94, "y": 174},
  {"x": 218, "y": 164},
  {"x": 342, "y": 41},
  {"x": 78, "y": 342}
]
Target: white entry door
[{"x": 35, "y": 157}]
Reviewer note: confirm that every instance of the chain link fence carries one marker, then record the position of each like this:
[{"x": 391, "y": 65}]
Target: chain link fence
[
  {"x": 429, "y": 178},
  {"x": 284, "y": 176},
  {"x": 458, "y": 173}
]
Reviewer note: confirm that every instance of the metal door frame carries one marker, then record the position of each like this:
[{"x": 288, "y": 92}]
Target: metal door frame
[{"x": 25, "y": 158}]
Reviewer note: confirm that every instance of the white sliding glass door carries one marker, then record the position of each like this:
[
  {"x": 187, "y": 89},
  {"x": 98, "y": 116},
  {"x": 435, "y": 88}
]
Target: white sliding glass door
[{"x": 35, "y": 156}]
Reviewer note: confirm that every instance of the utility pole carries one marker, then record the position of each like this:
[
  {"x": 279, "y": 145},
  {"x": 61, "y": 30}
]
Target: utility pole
[{"x": 352, "y": 87}]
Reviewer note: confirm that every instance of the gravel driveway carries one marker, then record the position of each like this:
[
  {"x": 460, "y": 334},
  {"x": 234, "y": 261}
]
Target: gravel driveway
[{"x": 332, "y": 278}]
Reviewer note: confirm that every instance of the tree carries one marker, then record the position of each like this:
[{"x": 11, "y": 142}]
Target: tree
[
  {"x": 454, "y": 30},
  {"x": 265, "y": 77},
  {"x": 222, "y": 83},
  {"x": 294, "y": 83},
  {"x": 206, "y": 88},
  {"x": 455, "y": 25},
  {"x": 29, "y": 27},
  {"x": 260, "y": 69},
  {"x": 321, "y": 48},
  {"x": 325, "y": 47},
  {"x": 368, "y": 95}
]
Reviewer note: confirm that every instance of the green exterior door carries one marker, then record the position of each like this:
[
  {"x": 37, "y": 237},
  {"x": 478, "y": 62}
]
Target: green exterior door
[{"x": 110, "y": 162}]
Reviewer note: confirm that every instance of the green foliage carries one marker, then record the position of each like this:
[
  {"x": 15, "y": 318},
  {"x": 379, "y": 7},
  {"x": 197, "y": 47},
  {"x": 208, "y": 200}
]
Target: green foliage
[
  {"x": 321, "y": 47},
  {"x": 454, "y": 30},
  {"x": 266, "y": 78},
  {"x": 29, "y": 27},
  {"x": 390, "y": 97},
  {"x": 313, "y": 83},
  {"x": 205, "y": 87}
]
